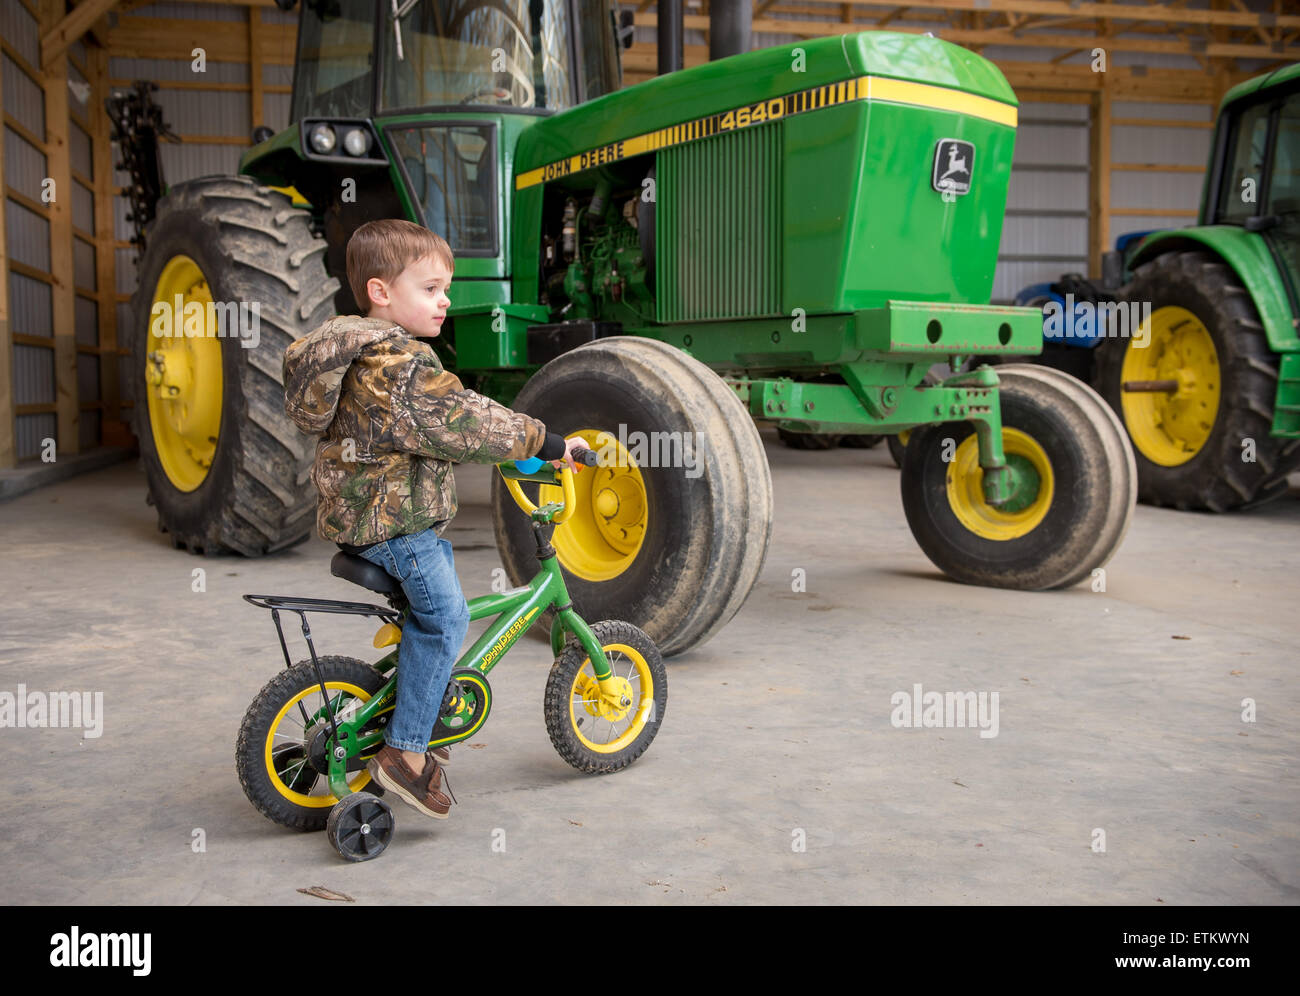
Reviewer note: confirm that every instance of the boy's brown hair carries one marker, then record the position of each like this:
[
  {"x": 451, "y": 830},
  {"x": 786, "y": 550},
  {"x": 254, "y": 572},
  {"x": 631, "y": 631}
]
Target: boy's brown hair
[{"x": 385, "y": 248}]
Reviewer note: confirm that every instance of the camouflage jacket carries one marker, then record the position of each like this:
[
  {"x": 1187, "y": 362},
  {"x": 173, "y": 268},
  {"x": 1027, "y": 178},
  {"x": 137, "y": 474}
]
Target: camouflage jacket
[{"x": 392, "y": 421}]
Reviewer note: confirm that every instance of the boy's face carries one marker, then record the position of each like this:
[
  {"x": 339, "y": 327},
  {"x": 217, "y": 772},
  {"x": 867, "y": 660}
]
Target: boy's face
[{"x": 416, "y": 299}]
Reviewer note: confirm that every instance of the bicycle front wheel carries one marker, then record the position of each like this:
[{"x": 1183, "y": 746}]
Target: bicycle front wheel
[{"x": 595, "y": 735}]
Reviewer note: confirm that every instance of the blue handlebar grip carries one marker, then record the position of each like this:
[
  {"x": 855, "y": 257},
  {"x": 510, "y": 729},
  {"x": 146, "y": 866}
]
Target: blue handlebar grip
[{"x": 529, "y": 466}]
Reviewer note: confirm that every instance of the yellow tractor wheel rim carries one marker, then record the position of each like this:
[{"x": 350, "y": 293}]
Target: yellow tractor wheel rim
[
  {"x": 183, "y": 374},
  {"x": 633, "y": 674},
  {"x": 360, "y": 778},
  {"x": 966, "y": 493},
  {"x": 604, "y": 535},
  {"x": 1171, "y": 427}
]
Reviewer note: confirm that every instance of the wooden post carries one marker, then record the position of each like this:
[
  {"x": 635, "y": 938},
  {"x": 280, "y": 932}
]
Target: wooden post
[
  {"x": 113, "y": 430},
  {"x": 62, "y": 292},
  {"x": 255, "y": 62},
  {"x": 1099, "y": 178},
  {"x": 8, "y": 450},
  {"x": 1220, "y": 68}
]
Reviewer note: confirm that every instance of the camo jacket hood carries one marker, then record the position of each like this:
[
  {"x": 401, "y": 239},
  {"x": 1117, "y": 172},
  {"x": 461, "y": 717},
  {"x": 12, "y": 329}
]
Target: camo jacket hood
[{"x": 391, "y": 423}]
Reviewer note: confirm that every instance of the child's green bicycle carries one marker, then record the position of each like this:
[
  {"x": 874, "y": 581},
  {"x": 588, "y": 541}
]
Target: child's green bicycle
[{"x": 306, "y": 738}]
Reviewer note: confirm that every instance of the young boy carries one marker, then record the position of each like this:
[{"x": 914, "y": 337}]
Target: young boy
[{"x": 392, "y": 422}]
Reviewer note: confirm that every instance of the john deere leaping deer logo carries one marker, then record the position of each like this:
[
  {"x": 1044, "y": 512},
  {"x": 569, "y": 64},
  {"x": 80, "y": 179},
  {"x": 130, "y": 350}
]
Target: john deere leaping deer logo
[{"x": 954, "y": 161}]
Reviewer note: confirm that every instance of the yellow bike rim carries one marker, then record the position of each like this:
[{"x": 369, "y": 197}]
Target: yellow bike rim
[
  {"x": 1171, "y": 427},
  {"x": 1027, "y": 507},
  {"x": 621, "y": 725},
  {"x": 183, "y": 374},
  {"x": 276, "y": 738},
  {"x": 604, "y": 535}
]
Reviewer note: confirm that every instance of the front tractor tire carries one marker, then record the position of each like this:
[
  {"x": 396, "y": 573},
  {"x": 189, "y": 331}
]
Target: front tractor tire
[
  {"x": 1193, "y": 443},
  {"x": 674, "y": 550},
  {"x": 227, "y": 471},
  {"x": 1077, "y": 487}
]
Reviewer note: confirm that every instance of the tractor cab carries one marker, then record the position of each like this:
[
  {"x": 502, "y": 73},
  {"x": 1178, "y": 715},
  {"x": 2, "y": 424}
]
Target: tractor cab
[
  {"x": 1254, "y": 181},
  {"x": 411, "y": 109}
]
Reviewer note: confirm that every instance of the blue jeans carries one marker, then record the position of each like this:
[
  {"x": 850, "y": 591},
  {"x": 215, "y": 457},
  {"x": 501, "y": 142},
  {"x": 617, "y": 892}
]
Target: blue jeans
[{"x": 431, "y": 636}]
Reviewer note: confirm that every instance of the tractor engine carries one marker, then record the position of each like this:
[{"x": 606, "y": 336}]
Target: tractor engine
[{"x": 597, "y": 255}]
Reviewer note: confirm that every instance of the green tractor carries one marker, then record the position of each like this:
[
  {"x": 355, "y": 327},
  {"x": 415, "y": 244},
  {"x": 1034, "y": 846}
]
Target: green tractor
[
  {"x": 1212, "y": 403},
  {"x": 1200, "y": 350},
  {"x": 793, "y": 235}
]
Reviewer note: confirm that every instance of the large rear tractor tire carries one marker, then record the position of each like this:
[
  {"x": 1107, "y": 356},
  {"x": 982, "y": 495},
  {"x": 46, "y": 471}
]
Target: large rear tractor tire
[
  {"x": 671, "y": 548},
  {"x": 1076, "y": 493},
  {"x": 1206, "y": 444},
  {"x": 226, "y": 469}
]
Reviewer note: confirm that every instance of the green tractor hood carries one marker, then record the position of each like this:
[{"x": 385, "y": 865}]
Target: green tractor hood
[{"x": 806, "y": 176}]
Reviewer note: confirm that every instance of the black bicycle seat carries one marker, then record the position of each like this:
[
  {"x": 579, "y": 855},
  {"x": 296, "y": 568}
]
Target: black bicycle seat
[{"x": 360, "y": 571}]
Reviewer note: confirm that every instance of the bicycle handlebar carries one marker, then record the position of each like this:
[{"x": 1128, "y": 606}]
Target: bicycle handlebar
[{"x": 542, "y": 472}]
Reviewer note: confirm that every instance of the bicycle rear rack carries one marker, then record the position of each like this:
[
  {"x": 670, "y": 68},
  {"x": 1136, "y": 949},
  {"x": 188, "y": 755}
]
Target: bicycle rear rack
[{"x": 302, "y": 606}]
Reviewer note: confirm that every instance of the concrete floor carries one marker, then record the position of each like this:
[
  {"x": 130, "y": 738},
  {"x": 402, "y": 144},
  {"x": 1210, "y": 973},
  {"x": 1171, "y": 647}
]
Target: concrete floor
[{"x": 778, "y": 729}]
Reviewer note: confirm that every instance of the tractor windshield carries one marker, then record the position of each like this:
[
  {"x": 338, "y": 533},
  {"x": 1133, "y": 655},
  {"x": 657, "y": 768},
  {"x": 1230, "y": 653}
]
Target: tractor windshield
[
  {"x": 334, "y": 76},
  {"x": 505, "y": 53}
]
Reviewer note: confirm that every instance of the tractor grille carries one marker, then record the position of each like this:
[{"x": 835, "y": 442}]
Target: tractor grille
[{"x": 718, "y": 226}]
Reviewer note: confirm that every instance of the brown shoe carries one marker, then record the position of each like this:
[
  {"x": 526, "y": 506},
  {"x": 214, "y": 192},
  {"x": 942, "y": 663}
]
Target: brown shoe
[{"x": 422, "y": 790}]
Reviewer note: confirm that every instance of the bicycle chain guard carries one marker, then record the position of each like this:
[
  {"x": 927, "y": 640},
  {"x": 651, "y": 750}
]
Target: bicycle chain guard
[{"x": 465, "y": 704}]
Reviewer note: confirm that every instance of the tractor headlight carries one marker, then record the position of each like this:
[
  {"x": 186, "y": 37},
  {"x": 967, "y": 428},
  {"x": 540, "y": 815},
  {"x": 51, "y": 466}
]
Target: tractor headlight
[
  {"x": 323, "y": 139},
  {"x": 357, "y": 142}
]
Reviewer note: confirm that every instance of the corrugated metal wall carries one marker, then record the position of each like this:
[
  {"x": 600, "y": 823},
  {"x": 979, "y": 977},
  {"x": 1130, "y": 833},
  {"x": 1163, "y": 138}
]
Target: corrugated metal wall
[
  {"x": 27, "y": 234},
  {"x": 1051, "y": 173},
  {"x": 28, "y": 241},
  {"x": 195, "y": 113},
  {"x": 1176, "y": 192},
  {"x": 1045, "y": 230}
]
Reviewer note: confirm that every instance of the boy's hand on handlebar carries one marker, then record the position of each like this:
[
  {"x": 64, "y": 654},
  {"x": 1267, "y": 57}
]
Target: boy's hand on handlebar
[{"x": 570, "y": 446}]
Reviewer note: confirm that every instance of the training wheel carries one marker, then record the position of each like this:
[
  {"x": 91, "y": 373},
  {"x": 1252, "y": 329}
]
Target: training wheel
[{"x": 360, "y": 826}]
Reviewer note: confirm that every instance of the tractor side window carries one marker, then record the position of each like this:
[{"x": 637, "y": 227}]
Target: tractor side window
[
  {"x": 503, "y": 53},
  {"x": 1284, "y": 187},
  {"x": 1284, "y": 191},
  {"x": 335, "y": 47},
  {"x": 1241, "y": 181},
  {"x": 452, "y": 174}
]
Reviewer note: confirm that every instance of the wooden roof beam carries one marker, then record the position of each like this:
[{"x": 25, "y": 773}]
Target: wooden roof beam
[
  {"x": 71, "y": 28},
  {"x": 892, "y": 15},
  {"x": 1264, "y": 35},
  {"x": 1001, "y": 36}
]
